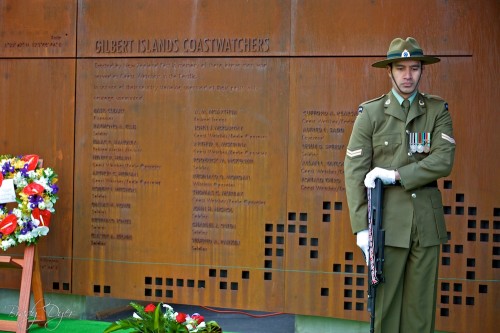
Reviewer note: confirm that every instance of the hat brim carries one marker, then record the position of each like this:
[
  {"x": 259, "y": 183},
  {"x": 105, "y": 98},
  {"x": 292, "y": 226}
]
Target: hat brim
[{"x": 426, "y": 60}]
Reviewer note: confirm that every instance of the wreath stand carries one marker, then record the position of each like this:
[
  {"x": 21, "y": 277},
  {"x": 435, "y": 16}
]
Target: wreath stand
[{"x": 31, "y": 279}]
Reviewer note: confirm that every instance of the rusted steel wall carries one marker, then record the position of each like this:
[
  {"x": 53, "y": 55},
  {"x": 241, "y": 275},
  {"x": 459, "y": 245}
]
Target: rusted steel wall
[
  {"x": 37, "y": 114},
  {"x": 202, "y": 143}
]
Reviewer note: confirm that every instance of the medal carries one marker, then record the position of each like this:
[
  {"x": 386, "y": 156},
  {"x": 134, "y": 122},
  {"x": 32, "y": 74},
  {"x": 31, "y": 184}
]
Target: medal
[
  {"x": 427, "y": 143},
  {"x": 420, "y": 145},
  {"x": 413, "y": 142}
]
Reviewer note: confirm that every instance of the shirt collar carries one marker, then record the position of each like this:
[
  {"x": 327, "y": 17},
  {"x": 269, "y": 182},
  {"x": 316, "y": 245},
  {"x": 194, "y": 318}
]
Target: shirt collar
[{"x": 401, "y": 99}]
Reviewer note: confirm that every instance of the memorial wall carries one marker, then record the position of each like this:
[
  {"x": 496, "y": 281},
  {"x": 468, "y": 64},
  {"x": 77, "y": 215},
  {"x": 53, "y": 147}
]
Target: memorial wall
[{"x": 200, "y": 146}]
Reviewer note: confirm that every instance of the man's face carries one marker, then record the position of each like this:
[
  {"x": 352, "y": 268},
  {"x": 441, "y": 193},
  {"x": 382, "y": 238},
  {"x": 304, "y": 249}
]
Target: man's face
[{"x": 405, "y": 76}]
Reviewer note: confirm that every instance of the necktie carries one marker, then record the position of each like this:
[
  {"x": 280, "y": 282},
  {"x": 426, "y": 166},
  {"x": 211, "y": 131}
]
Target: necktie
[{"x": 406, "y": 106}]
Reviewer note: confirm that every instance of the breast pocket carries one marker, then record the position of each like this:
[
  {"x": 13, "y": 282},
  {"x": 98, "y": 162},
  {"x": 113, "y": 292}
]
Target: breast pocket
[{"x": 385, "y": 148}]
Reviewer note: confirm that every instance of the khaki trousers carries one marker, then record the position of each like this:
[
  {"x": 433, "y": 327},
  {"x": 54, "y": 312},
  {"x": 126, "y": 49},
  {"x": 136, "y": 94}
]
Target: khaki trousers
[{"x": 406, "y": 301}]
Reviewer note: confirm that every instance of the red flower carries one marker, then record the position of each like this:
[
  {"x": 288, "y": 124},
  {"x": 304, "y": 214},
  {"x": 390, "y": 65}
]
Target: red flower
[
  {"x": 199, "y": 318},
  {"x": 33, "y": 188},
  {"x": 8, "y": 224},
  {"x": 150, "y": 308},
  {"x": 181, "y": 317},
  {"x": 32, "y": 161},
  {"x": 43, "y": 216},
  {"x": 1, "y": 178}
]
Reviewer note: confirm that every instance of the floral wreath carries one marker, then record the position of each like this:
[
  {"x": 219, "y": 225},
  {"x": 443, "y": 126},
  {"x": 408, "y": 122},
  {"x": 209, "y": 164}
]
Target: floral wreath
[{"x": 36, "y": 195}]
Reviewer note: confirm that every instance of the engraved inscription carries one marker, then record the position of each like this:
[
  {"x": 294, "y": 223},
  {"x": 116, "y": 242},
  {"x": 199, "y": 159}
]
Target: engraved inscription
[
  {"x": 142, "y": 111},
  {"x": 185, "y": 45},
  {"x": 322, "y": 153}
]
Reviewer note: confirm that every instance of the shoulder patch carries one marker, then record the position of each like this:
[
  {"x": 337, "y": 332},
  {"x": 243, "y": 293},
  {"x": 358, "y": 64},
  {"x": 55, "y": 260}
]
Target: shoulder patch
[{"x": 360, "y": 109}]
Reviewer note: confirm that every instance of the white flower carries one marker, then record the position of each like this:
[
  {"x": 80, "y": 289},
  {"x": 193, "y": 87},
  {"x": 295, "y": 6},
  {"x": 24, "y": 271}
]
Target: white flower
[
  {"x": 35, "y": 221},
  {"x": 41, "y": 205},
  {"x": 7, "y": 243},
  {"x": 40, "y": 231},
  {"x": 19, "y": 214},
  {"x": 168, "y": 307},
  {"x": 48, "y": 172},
  {"x": 49, "y": 205},
  {"x": 25, "y": 238},
  {"x": 19, "y": 180},
  {"x": 136, "y": 316}
]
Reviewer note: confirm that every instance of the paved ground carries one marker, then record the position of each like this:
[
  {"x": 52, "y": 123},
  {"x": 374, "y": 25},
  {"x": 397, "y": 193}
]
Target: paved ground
[{"x": 232, "y": 320}]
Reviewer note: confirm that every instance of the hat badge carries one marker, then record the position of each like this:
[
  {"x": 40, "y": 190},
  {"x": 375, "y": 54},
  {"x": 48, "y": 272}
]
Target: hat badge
[{"x": 405, "y": 54}]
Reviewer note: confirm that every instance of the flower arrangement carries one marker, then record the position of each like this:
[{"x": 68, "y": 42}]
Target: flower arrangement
[
  {"x": 35, "y": 195},
  {"x": 162, "y": 318}
]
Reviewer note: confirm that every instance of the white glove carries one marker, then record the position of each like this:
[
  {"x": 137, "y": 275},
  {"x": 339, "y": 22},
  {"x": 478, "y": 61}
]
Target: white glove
[
  {"x": 386, "y": 176},
  {"x": 362, "y": 242}
]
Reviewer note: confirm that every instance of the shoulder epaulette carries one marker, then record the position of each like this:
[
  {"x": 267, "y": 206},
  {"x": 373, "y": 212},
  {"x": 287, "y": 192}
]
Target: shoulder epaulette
[
  {"x": 437, "y": 98},
  {"x": 373, "y": 100},
  {"x": 433, "y": 97},
  {"x": 361, "y": 106}
]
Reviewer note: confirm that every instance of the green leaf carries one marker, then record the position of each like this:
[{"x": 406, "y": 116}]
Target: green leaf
[{"x": 156, "y": 317}]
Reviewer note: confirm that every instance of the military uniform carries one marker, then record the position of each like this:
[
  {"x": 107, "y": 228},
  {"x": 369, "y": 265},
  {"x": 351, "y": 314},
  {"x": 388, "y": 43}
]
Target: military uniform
[{"x": 384, "y": 136}]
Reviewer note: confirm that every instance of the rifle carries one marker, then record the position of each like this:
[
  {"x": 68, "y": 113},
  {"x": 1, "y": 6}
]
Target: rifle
[{"x": 376, "y": 245}]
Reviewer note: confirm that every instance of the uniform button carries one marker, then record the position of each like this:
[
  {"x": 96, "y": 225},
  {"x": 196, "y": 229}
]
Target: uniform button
[
  {"x": 407, "y": 132},
  {"x": 413, "y": 195},
  {"x": 386, "y": 143},
  {"x": 409, "y": 154}
]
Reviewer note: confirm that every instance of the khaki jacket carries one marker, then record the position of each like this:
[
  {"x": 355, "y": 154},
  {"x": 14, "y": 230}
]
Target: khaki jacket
[{"x": 381, "y": 138}]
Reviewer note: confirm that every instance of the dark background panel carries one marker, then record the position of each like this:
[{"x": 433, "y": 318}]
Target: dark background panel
[
  {"x": 183, "y": 28},
  {"x": 187, "y": 153},
  {"x": 38, "y": 118},
  {"x": 354, "y": 28},
  {"x": 44, "y": 28}
]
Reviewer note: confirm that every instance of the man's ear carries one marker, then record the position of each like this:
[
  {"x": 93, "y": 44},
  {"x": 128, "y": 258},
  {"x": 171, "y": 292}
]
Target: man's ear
[{"x": 389, "y": 70}]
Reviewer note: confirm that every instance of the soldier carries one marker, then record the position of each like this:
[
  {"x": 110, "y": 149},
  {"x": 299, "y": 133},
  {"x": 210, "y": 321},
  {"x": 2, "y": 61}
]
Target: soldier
[{"x": 405, "y": 138}]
